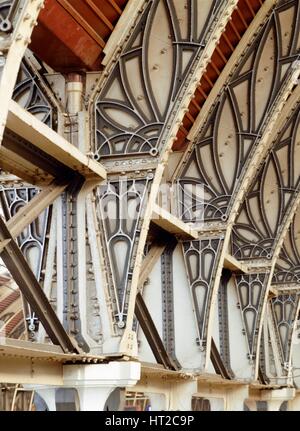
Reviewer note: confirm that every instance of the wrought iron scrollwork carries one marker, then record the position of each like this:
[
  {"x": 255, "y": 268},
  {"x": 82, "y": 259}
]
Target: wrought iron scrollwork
[
  {"x": 120, "y": 206},
  {"x": 200, "y": 258},
  {"x": 233, "y": 130},
  {"x": 251, "y": 290},
  {"x": 133, "y": 105}
]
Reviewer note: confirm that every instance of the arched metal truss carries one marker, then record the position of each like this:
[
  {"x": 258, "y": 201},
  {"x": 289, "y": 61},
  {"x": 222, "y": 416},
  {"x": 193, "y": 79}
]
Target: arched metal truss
[
  {"x": 131, "y": 108},
  {"x": 96, "y": 254}
]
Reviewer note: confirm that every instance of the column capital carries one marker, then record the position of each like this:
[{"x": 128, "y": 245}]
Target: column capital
[{"x": 113, "y": 374}]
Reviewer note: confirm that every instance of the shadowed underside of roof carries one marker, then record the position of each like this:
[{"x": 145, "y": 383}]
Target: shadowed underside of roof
[{"x": 71, "y": 34}]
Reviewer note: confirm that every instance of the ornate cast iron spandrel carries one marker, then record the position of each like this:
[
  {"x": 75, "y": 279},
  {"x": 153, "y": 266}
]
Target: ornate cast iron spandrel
[
  {"x": 284, "y": 308},
  {"x": 270, "y": 197},
  {"x": 133, "y": 105},
  {"x": 287, "y": 270},
  {"x": 28, "y": 94},
  {"x": 251, "y": 291},
  {"x": 7, "y": 14},
  {"x": 32, "y": 241},
  {"x": 200, "y": 258},
  {"x": 120, "y": 209},
  {"x": 233, "y": 130}
]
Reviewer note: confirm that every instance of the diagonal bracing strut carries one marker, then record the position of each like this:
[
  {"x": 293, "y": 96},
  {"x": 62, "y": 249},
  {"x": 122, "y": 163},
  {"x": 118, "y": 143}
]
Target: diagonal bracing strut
[
  {"x": 152, "y": 335},
  {"x": 32, "y": 291}
]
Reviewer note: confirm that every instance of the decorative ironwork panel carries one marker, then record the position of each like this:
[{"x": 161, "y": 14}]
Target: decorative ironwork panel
[
  {"x": 270, "y": 196},
  {"x": 232, "y": 131},
  {"x": 28, "y": 94},
  {"x": 200, "y": 258},
  {"x": 134, "y": 103},
  {"x": 120, "y": 208},
  {"x": 251, "y": 290},
  {"x": 287, "y": 270},
  {"x": 32, "y": 240},
  {"x": 7, "y": 13},
  {"x": 223, "y": 319},
  {"x": 284, "y": 309}
]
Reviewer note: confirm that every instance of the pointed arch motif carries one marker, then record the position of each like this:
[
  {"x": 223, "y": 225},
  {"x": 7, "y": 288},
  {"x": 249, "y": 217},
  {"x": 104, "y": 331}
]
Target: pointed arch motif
[
  {"x": 200, "y": 260},
  {"x": 270, "y": 197},
  {"x": 233, "y": 130},
  {"x": 131, "y": 108}
]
